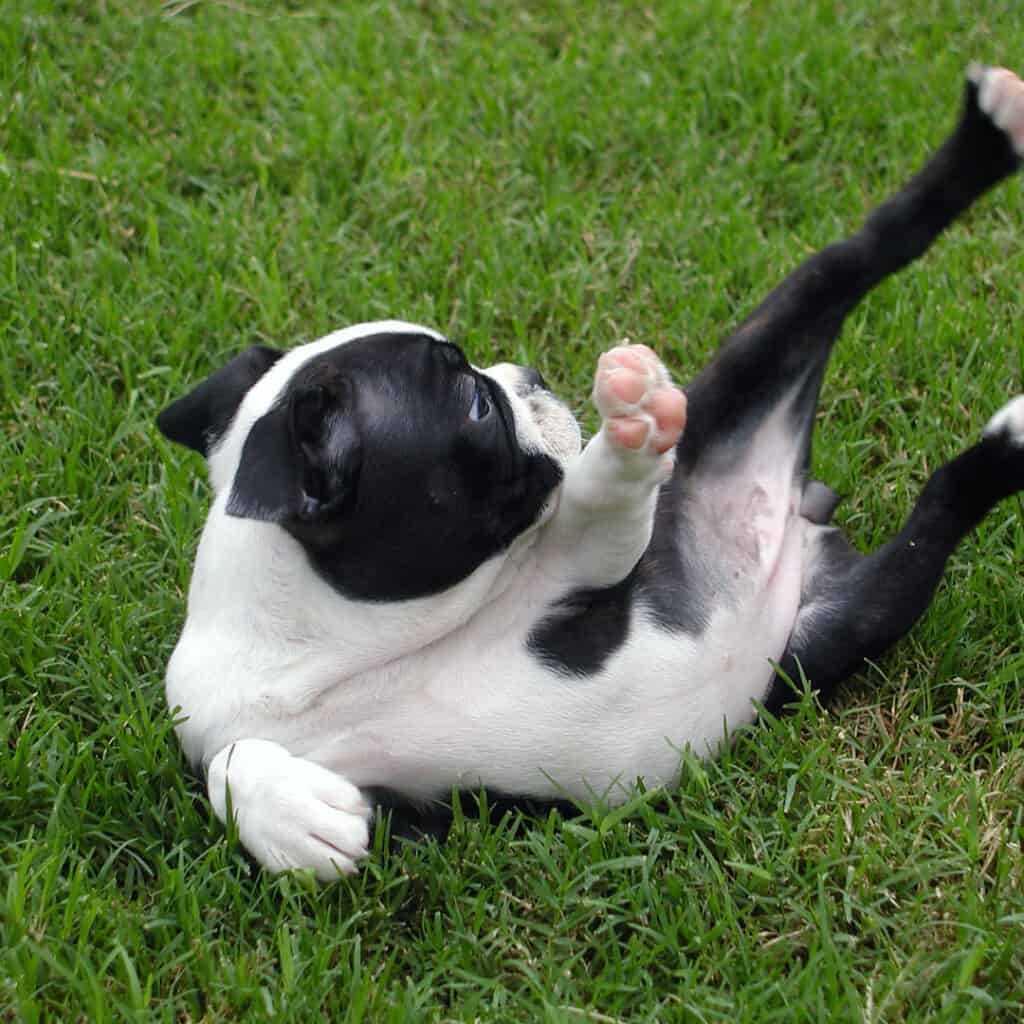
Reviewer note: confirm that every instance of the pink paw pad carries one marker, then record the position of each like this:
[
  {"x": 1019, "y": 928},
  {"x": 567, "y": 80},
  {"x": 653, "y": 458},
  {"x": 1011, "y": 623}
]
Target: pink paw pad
[{"x": 637, "y": 400}]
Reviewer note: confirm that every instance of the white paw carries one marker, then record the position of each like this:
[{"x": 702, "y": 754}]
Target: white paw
[
  {"x": 1009, "y": 421},
  {"x": 1001, "y": 97},
  {"x": 290, "y": 813},
  {"x": 642, "y": 410}
]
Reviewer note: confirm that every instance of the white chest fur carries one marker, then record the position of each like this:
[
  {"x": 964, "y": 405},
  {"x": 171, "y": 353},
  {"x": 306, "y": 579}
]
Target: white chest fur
[{"x": 421, "y": 696}]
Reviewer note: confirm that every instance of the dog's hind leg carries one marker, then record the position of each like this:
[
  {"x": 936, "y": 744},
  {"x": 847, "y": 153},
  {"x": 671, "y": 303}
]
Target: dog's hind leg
[
  {"x": 777, "y": 356},
  {"x": 853, "y": 607}
]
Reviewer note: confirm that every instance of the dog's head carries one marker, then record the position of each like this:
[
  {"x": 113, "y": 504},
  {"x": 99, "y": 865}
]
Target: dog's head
[{"x": 397, "y": 465}]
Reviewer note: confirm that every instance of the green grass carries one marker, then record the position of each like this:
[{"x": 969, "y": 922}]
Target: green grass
[{"x": 539, "y": 180}]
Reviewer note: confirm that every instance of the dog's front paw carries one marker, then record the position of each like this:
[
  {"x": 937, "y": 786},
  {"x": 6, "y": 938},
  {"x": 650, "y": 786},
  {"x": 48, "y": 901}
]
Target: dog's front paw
[
  {"x": 291, "y": 814},
  {"x": 1001, "y": 98},
  {"x": 642, "y": 411}
]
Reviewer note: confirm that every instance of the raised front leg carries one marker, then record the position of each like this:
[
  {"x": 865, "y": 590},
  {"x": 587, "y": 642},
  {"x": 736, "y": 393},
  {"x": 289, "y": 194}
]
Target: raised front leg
[
  {"x": 606, "y": 513},
  {"x": 291, "y": 813}
]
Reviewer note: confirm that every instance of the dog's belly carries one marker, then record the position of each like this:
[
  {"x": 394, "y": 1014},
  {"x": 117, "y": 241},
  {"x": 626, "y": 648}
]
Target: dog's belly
[
  {"x": 478, "y": 706},
  {"x": 488, "y": 713}
]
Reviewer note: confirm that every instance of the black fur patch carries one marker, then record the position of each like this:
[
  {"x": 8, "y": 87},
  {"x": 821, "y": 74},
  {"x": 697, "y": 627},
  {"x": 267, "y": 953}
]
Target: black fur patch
[
  {"x": 433, "y": 818},
  {"x": 585, "y": 628}
]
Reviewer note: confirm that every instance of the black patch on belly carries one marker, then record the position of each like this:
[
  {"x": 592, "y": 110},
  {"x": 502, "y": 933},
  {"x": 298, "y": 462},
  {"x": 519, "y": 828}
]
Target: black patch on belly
[{"x": 583, "y": 629}]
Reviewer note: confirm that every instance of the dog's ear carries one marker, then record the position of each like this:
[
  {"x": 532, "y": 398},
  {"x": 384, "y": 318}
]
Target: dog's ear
[
  {"x": 201, "y": 417},
  {"x": 300, "y": 463}
]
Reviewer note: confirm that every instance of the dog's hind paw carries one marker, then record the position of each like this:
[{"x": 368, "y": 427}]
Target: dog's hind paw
[
  {"x": 1001, "y": 98},
  {"x": 1008, "y": 423}
]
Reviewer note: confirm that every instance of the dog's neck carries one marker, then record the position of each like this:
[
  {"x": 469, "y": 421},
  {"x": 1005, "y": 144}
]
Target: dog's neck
[{"x": 252, "y": 580}]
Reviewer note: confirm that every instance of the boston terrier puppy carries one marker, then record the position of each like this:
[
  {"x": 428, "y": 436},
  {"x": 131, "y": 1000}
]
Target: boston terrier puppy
[{"x": 414, "y": 578}]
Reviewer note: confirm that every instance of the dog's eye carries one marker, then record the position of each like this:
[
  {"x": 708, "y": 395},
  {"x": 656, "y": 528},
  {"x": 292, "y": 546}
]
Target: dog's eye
[{"x": 481, "y": 405}]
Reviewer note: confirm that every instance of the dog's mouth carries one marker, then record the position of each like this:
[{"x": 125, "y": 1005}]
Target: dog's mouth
[
  {"x": 542, "y": 420},
  {"x": 556, "y": 424}
]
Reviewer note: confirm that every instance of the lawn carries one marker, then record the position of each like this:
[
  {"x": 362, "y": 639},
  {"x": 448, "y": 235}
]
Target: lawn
[{"x": 538, "y": 180}]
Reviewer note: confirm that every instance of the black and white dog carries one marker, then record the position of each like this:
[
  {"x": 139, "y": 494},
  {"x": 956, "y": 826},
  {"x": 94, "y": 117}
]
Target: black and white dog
[{"x": 414, "y": 579}]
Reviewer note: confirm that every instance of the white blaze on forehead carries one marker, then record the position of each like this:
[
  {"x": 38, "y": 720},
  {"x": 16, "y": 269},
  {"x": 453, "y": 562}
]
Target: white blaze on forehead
[{"x": 223, "y": 459}]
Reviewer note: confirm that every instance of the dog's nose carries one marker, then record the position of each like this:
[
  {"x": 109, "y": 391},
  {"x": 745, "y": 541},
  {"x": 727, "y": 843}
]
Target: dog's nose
[{"x": 532, "y": 380}]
